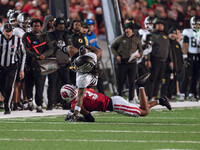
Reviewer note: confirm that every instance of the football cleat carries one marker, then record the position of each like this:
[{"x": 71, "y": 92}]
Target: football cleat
[
  {"x": 39, "y": 109},
  {"x": 182, "y": 97},
  {"x": 7, "y": 112},
  {"x": 165, "y": 102},
  {"x": 49, "y": 107},
  {"x": 30, "y": 105},
  {"x": 141, "y": 81}
]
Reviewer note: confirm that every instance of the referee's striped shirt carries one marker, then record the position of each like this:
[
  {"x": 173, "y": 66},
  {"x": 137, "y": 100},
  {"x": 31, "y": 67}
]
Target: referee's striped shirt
[{"x": 10, "y": 50}]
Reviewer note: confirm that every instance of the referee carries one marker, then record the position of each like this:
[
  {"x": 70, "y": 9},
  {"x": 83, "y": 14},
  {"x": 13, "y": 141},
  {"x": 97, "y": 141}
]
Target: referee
[{"x": 10, "y": 48}]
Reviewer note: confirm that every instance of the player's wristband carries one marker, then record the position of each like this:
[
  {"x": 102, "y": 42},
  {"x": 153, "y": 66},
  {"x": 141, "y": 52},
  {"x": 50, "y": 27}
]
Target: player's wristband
[{"x": 77, "y": 108}]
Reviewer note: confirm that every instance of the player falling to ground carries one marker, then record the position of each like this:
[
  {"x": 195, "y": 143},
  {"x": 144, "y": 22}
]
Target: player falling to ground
[
  {"x": 94, "y": 101},
  {"x": 84, "y": 63}
]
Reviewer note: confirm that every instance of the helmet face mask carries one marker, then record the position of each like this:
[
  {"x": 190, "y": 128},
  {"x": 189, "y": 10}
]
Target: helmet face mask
[
  {"x": 149, "y": 26},
  {"x": 148, "y": 23},
  {"x": 195, "y": 23},
  {"x": 68, "y": 92}
]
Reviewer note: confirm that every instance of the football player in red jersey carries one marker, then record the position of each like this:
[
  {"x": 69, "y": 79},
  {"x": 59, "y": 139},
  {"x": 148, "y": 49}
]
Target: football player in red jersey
[{"x": 94, "y": 101}]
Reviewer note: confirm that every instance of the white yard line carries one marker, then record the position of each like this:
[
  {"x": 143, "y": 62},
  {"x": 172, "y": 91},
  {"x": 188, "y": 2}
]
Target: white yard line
[
  {"x": 95, "y": 123},
  {"x": 107, "y": 141},
  {"x": 105, "y": 117},
  {"x": 102, "y": 131},
  {"x": 163, "y": 118}
]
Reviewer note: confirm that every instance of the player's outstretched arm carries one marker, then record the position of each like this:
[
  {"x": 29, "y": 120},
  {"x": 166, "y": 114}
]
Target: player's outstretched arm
[
  {"x": 81, "y": 93},
  {"x": 95, "y": 50},
  {"x": 87, "y": 115}
]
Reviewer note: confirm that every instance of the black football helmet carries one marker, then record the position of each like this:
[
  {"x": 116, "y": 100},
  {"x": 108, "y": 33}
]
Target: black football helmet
[{"x": 84, "y": 64}]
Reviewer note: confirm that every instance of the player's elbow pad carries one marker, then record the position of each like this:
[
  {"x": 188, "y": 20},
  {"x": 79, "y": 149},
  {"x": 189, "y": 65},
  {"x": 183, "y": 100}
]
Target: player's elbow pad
[{"x": 89, "y": 118}]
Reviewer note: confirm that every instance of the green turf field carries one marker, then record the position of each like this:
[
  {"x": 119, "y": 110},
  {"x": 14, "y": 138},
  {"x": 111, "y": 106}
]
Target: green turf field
[{"x": 161, "y": 129}]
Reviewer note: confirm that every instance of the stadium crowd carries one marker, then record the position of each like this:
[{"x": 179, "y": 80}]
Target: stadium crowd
[{"x": 167, "y": 35}]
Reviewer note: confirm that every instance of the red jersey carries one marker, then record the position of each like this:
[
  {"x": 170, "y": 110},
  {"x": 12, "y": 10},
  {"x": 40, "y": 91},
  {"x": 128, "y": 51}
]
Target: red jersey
[{"x": 93, "y": 101}]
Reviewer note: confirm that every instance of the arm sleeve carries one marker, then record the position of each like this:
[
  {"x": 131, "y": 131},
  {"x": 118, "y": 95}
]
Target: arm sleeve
[
  {"x": 115, "y": 46},
  {"x": 49, "y": 48},
  {"x": 89, "y": 118},
  {"x": 27, "y": 45},
  {"x": 170, "y": 57},
  {"x": 186, "y": 39},
  {"x": 23, "y": 54},
  {"x": 140, "y": 47}
]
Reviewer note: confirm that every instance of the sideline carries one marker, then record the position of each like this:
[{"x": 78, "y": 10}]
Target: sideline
[{"x": 55, "y": 112}]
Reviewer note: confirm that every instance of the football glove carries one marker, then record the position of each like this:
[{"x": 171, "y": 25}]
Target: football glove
[
  {"x": 68, "y": 116},
  {"x": 74, "y": 118}
]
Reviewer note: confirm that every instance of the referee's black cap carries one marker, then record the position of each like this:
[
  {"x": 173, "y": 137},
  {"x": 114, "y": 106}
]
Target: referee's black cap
[{"x": 7, "y": 27}]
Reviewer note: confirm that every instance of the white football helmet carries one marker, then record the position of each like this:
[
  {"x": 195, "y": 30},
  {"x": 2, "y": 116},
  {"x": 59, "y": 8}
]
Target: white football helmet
[
  {"x": 24, "y": 20},
  {"x": 68, "y": 92},
  {"x": 148, "y": 23},
  {"x": 194, "y": 21}
]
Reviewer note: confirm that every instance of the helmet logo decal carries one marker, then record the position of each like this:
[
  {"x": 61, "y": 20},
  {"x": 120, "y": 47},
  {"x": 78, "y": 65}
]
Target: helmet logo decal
[{"x": 80, "y": 40}]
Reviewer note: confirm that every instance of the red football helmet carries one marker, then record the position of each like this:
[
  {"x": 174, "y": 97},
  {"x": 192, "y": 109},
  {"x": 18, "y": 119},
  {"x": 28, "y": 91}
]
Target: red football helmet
[{"x": 68, "y": 92}]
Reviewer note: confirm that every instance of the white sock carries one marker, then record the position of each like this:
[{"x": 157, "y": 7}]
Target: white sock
[{"x": 158, "y": 101}]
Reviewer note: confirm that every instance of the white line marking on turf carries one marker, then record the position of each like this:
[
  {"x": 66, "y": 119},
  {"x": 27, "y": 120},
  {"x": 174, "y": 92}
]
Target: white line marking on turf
[
  {"x": 104, "y": 123},
  {"x": 164, "y": 118},
  {"x": 110, "y": 131},
  {"x": 87, "y": 140},
  {"x": 123, "y": 117}
]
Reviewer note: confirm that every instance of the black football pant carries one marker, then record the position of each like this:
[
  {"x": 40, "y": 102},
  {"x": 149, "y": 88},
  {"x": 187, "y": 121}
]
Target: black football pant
[
  {"x": 55, "y": 81},
  {"x": 124, "y": 70},
  {"x": 191, "y": 74},
  {"x": 142, "y": 69},
  {"x": 32, "y": 79},
  {"x": 168, "y": 87},
  {"x": 7, "y": 80},
  {"x": 157, "y": 72}
]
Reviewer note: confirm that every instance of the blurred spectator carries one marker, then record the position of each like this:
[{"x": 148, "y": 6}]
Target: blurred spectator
[
  {"x": 12, "y": 4},
  {"x": 4, "y": 7},
  {"x": 44, "y": 7},
  {"x": 78, "y": 39},
  {"x": 92, "y": 39},
  {"x": 1, "y": 23},
  {"x": 19, "y": 6},
  {"x": 38, "y": 14},
  {"x": 30, "y": 7},
  {"x": 48, "y": 23},
  {"x": 99, "y": 19}
]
